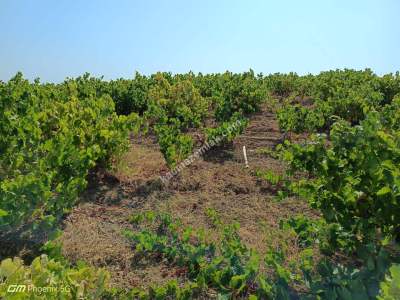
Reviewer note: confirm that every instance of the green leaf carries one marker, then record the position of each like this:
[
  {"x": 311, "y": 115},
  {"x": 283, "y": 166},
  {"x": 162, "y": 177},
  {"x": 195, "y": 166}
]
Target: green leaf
[
  {"x": 7, "y": 267},
  {"x": 383, "y": 191}
]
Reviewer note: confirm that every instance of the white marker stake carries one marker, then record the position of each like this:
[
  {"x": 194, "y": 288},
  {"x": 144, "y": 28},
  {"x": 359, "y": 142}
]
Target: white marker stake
[{"x": 245, "y": 157}]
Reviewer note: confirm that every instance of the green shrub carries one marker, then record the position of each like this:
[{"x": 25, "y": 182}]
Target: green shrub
[
  {"x": 356, "y": 177},
  {"x": 49, "y": 279},
  {"x": 238, "y": 93},
  {"x": 49, "y": 140},
  {"x": 390, "y": 287},
  {"x": 229, "y": 267},
  {"x": 180, "y": 100},
  {"x": 130, "y": 95},
  {"x": 227, "y": 131}
]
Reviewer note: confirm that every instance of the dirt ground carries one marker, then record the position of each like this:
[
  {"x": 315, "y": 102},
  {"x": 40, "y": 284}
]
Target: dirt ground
[{"x": 219, "y": 180}]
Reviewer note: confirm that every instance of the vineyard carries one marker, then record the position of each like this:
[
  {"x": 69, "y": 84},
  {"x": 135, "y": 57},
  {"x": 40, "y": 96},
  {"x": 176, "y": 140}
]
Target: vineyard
[{"x": 139, "y": 189}]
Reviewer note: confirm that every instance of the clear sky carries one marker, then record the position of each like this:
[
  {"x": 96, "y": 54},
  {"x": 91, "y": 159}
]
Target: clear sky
[{"x": 54, "y": 39}]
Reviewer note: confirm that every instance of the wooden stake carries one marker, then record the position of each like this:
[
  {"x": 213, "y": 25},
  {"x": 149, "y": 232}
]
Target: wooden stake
[{"x": 245, "y": 157}]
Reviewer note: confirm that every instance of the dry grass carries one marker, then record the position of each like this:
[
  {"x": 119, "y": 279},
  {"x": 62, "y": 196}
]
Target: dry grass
[{"x": 219, "y": 181}]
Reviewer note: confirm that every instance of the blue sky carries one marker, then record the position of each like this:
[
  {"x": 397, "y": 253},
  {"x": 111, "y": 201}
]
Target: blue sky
[{"x": 55, "y": 39}]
